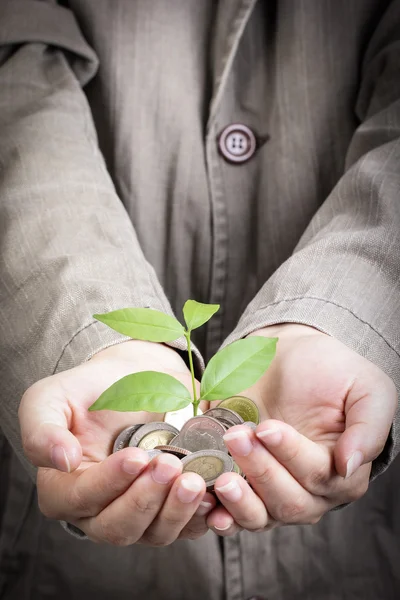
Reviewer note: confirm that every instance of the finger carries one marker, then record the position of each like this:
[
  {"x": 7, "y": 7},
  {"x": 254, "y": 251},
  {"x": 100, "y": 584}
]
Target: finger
[
  {"x": 197, "y": 526},
  {"x": 126, "y": 519},
  {"x": 245, "y": 507},
  {"x": 369, "y": 417},
  {"x": 309, "y": 463},
  {"x": 44, "y": 416},
  {"x": 222, "y": 523},
  {"x": 180, "y": 506},
  {"x": 89, "y": 490},
  {"x": 285, "y": 499}
]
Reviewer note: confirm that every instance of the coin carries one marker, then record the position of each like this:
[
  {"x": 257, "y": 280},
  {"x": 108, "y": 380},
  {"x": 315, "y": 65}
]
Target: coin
[
  {"x": 174, "y": 441},
  {"x": 202, "y": 433},
  {"x": 179, "y": 452},
  {"x": 245, "y": 407},
  {"x": 178, "y": 418},
  {"x": 122, "y": 441},
  {"x": 225, "y": 415},
  {"x": 209, "y": 464},
  {"x": 153, "y": 434},
  {"x": 156, "y": 438}
]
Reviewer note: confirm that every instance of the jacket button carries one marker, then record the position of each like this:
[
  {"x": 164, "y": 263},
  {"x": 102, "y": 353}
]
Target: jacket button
[{"x": 237, "y": 143}]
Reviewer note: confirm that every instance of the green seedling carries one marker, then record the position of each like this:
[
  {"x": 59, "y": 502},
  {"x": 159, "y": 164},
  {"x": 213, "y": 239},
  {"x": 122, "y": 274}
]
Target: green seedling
[{"x": 230, "y": 371}]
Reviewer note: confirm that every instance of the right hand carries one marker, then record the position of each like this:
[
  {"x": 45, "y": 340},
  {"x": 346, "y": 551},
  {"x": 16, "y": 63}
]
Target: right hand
[{"x": 120, "y": 499}]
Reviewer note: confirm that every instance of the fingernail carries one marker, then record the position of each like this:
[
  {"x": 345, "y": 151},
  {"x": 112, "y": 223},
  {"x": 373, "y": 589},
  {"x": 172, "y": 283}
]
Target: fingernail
[
  {"x": 355, "y": 461},
  {"x": 133, "y": 466},
  {"x": 164, "y": 469},
  {"x": 188, "y": 490},
  {"x": 239, "y": 442},
  {"x": 271, "y": 436},
  {"x": 204, "y": 508},
  {"x": 60, "y": 460},
  {"x": 231, "y": 491},
  {"x": 223, "y": 528}
]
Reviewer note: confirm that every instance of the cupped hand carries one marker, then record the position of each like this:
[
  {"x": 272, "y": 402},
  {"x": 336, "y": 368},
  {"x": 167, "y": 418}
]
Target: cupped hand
[
  {"x": 326, "y": 415},
  {"x": 119, "y": 499}
]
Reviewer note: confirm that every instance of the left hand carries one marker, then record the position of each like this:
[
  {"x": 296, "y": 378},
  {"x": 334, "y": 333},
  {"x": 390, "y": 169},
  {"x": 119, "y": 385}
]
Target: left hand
[{"x": 326, "y": 414}]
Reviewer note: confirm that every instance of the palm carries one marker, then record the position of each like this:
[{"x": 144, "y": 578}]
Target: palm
[
  {"x": 80, "y": 388},
  {"x": 307, "y": 386}
]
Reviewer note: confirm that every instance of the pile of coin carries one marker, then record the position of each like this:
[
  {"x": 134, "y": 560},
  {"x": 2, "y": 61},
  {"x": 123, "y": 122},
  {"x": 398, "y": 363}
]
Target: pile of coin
[{"x": 197, "y": 441}]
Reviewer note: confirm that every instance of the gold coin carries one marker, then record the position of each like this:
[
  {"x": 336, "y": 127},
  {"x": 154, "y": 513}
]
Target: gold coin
[
  {"x": 208, "y": 467},
  {"x": 159, "y": 437},
  {"x": 245, "y": 407}
]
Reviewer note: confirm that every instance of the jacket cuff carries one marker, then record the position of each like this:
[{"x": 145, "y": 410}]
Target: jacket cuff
[
  {"x": 74, "y": 531},
  {"x": 343, "y": 324}
]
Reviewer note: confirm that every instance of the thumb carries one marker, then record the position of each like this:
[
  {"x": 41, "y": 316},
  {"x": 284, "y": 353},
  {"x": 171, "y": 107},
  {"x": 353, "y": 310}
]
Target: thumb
[
  {"x": 370, "y": 408},
  {"x": 46, "y": 439}
]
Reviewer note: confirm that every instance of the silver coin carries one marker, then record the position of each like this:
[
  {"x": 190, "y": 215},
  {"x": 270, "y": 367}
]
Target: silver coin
[
  {"x": 122, "y": 441},
  {"x": 156, "y": 428},
  {"x": 227, "y": 424},
  {"x": 250, "y": 424},
  {"x": 202, "y": 433},
  {"x": 226, "y": 415},
  {"x": 179, "y": 452},
  {"x": 209, "y": 464}
]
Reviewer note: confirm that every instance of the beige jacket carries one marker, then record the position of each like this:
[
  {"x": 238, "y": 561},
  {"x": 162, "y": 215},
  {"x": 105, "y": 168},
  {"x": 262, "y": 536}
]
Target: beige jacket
[{"x": 113, "y": 193}]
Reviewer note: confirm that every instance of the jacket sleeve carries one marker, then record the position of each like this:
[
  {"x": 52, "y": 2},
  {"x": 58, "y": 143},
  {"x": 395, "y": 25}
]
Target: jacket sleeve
[
  {"x": 68, "y": 248},
  {"x": 344, "y": 276}
]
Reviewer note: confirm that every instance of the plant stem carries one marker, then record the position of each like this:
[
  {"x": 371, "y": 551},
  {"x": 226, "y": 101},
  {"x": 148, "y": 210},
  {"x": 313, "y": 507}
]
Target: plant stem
[{"x": 196, "y": 402}]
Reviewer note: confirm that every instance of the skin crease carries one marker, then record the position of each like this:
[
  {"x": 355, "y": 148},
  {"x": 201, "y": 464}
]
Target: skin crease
[{"x": 326, "y": 402}]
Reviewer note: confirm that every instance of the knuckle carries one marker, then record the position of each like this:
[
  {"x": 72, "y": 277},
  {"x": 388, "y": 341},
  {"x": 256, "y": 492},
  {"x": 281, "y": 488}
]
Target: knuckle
[
  {"x": 144, "y": 506},
  {"x": 110, "y": 534},
  {"x": 262, "y": 477},
  {"x": 117, "y": 540},
  {"x": 291, "y": 512},
  {"x": 112, "y": 486},
  {"x": 254, "y": 524},
  {"x": 192, "y": 532},
  {"x": 173, "y": 520},
  {"x": 78, "y": 503},
  {"x": 153, "y": 539},
  {"x": 317, "y": 479}
]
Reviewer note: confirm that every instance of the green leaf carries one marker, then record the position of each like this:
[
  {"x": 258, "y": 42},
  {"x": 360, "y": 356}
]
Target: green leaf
[
  {"x": 237, "y": 367},
  {"x": 197, "y": 313},
  {"x": 147, "y": 390},
  {"x": 143, "y": 324}
]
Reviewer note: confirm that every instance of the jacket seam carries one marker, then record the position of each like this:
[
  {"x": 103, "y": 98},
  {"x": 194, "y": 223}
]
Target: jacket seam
[
  {"x": 69, "y": 343},
  {"x": 296, "y": 298}
]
